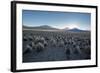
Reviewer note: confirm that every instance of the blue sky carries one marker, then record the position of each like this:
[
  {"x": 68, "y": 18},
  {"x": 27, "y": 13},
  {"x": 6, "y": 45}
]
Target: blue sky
[{"x": 57, "y": 19}]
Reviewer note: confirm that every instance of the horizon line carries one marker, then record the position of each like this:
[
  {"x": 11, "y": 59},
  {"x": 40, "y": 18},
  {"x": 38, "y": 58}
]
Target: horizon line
[{"x": 58, "y": 28}]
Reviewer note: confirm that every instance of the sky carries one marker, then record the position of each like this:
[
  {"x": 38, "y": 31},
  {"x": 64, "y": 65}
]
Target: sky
[{"x": 57, "y": 19}]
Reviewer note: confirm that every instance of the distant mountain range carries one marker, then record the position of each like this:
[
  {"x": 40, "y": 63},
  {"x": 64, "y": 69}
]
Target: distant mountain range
[
  {"x": 76, "y": 30},
  {"x": 46, "y": 27}
]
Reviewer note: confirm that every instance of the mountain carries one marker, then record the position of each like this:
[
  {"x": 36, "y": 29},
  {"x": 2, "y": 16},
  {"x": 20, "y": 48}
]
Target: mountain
[
  {"x": 45, "y": 27},
  {"x": 76, "y": 30},
  {"x": 65, "y": 29},
  {"x": 73, "y": 30}
]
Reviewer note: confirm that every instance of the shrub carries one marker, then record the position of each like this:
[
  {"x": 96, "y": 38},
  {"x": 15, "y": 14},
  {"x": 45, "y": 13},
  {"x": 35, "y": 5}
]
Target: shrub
[
  {"x": 39, "y": 47},
  {"x": 27, "y": 49}
]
